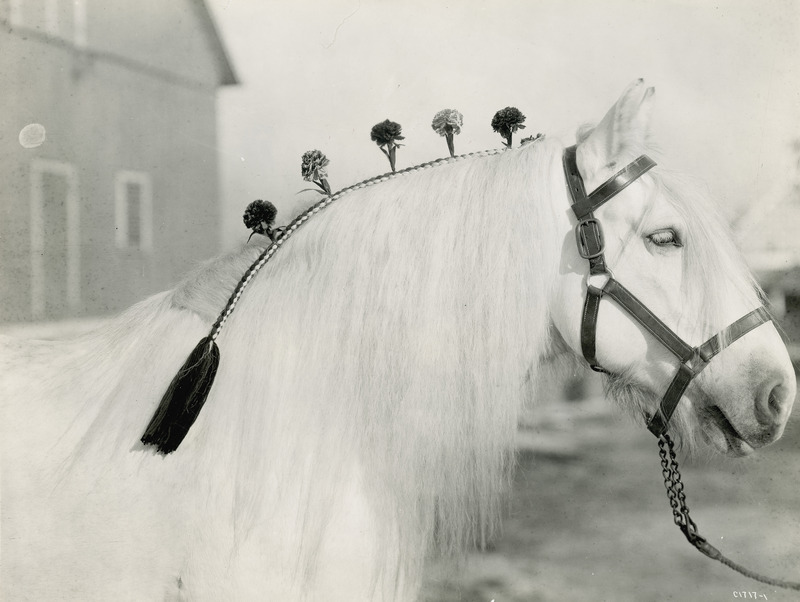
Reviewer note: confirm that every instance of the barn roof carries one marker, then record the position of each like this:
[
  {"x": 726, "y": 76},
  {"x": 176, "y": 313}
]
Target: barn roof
[{"x": 228, "y": 75}]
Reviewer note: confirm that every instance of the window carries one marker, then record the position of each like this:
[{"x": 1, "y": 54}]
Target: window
[
  {"x": 55, "y": 240},
  {"x": 15, "y": 12},
  {"x": 133, "y": 211},
  {"x": 79, "y": 22},
  {"x": 59, "y": 18}
]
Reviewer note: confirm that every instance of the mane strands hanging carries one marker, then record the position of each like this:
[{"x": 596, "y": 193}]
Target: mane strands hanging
[
  {"x": 378, "y": 360},
  {"x": 402, "y": 348}
]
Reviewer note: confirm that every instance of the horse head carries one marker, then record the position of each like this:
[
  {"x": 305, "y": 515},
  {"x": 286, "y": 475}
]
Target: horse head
[{"x": 676, "y": 256}]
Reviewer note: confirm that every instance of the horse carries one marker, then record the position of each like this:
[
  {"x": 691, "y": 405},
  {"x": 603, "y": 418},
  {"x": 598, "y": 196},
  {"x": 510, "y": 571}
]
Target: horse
[{"x": 371, "y": 378}]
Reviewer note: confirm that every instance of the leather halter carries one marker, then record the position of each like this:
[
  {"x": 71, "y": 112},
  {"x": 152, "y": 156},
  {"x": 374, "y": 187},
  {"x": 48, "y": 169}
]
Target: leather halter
[{"x": 589, "y": 237}]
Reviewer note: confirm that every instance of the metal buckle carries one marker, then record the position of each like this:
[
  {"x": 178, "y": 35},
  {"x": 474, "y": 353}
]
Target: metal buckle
[
  {"x": 583, "y": 239},
  {"x": 595, "y": 283},
  {"x": 698, "y": 362}
]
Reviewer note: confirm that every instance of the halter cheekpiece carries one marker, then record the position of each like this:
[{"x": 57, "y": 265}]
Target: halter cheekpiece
[{"x": 591, "y": 246}]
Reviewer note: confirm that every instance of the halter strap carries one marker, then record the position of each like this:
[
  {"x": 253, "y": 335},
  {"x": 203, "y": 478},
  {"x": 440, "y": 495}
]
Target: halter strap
[
  {"x": 640, "y": 312},
  {"x": 583, "y": 205},
  {"x": 702, "y": 355},
  {"x": 591, "y": 246},
  {"x": 733, "y": 332}
]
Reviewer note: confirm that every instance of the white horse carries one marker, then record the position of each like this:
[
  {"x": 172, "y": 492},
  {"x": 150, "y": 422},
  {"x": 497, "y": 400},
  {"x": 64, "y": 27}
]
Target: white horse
[{"x": 370, "y": 381}]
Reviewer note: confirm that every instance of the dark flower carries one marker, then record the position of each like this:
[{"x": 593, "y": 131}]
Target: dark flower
[
  {"x": 507, "y": 121},
  {"x": 259, "y": 217},
  {"x": 386, "y": 134}
]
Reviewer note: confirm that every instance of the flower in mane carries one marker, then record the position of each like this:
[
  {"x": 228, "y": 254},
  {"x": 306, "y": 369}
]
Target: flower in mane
[
  {"x": 530, "y": 139},
  {"x": 386, "y": 134},
  {"x": 447, "y": 123},
  {"x": 313, "y": 170},
  {"x": 260, "y": 217},
  {"x": 507, "y": 121}
]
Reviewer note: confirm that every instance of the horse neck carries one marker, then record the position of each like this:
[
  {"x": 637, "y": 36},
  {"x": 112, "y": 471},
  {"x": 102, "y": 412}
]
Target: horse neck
[
  {"x": 397, "y": 327},
  {"x": 461, "y": 229},
  {"x": 392, "y": 335}
]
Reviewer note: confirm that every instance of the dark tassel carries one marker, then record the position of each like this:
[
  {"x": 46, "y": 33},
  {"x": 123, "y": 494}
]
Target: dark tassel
[{"x": 184, "y": 398}]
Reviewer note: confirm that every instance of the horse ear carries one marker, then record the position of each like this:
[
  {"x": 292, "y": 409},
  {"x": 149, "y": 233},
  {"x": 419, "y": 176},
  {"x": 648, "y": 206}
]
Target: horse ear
[{"x": 622, "y": 134}]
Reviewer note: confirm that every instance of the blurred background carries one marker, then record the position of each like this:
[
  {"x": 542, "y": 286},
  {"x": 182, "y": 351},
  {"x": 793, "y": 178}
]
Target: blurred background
[{"x": 133, "y": 135}]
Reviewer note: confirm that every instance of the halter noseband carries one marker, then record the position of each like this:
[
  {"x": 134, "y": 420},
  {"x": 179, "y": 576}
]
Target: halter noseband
[{"x": 589, "y": 237}]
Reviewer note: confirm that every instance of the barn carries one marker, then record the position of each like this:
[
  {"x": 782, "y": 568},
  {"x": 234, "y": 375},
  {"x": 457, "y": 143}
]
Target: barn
[
  {"x": 108, "y": 139},
  {"x": 768, "y": 236}
]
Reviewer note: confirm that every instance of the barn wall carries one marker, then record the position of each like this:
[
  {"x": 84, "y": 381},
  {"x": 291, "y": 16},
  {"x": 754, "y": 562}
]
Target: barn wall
[{"x": 139, "y": 96}]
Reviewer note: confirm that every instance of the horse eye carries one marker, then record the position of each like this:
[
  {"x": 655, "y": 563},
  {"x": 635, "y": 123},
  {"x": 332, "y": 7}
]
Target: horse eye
[{"x": 665, "y": 238}]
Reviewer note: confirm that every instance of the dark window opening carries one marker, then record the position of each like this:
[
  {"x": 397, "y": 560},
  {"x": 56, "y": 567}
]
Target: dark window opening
[{"x": 133, "y": 200}]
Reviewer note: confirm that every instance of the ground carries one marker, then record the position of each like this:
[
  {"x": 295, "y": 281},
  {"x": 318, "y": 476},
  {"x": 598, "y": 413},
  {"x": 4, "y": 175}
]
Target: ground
[{"x": 589, "y": 519}]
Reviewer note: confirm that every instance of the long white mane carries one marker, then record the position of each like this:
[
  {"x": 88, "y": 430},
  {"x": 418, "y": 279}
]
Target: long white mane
[
  {"x": 390, "y": 337},
  {"x": 386, "y": 348}
]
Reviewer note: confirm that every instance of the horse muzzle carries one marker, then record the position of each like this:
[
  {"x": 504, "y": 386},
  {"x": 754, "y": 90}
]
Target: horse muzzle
[{"x": 737, "y": 425}]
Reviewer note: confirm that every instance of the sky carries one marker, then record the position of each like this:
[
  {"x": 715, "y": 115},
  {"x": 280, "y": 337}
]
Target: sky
[{"x": 319, "y": 74}]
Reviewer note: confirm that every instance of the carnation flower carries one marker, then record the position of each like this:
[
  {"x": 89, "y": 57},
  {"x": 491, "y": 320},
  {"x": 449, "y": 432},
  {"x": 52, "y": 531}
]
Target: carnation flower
[
  {"x": 386, "y": 134},
  {"x": 447, "y": 123},
  {"x": 530, "y": 139},
  {"x": 313, "y": 166},
  {"x": 313, "y": 169},
  {"x": 507, "y": 121},
  {"x": 259, "y": 217}
]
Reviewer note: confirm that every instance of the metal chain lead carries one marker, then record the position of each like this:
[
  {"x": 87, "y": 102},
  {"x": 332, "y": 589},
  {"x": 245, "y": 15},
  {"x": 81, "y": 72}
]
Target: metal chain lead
[
  {"x": 680, "y": 514},
  {"x": 674, "y": 485}
]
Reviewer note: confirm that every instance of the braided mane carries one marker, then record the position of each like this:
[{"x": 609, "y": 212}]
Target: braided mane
[{"x": 314, "y": 209}]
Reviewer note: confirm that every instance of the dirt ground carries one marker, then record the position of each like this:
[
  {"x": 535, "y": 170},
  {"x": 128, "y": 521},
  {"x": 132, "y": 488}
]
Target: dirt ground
[{"x": 589, "y": 519}]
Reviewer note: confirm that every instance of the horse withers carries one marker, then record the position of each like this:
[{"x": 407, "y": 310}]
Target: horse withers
[{"x": 365, "y": 405}]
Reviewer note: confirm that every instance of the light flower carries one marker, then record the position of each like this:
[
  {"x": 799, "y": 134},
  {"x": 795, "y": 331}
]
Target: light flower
[
  {"x": 313, "y": 170},
  {"x": 530, "y": 139},
  {"x": 447, "y": 123}
]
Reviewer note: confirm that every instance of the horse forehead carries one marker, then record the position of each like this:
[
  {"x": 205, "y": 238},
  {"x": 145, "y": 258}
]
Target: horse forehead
[{"x": 639, "y": 204}]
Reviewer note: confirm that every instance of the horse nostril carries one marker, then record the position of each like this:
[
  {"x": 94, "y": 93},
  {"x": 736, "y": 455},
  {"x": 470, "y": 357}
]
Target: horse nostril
[
  {"x": 775, "y": 406},
  {"x": 774, "y": 403}
]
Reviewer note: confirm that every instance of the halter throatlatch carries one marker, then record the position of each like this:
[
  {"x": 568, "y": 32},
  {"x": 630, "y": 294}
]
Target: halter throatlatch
[
  {"x": 591, "y": 246},
  {"x": 589, "y": 236}
]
